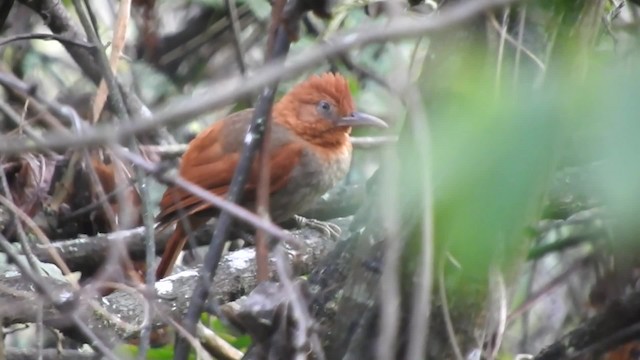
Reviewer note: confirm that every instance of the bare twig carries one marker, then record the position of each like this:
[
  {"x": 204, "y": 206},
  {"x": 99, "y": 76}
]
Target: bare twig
[
  {"x": 103, "y": 63},
  {"x": 390, "y": 301},
  {"x": 548, "y": 287},
  {"x": 262, "y": 192},
  {"x": 38, "y": 36},
  {"x": 421, "y": 308},
  {"x": 230, "y": 207},
  {"x": 522, "y": 19},
  {"x": 117, "y": 44},
  {"x": 217, "y": 346},
  {"x": 446, "y": 315},
  {"x": 67, "y": 113},
  {"x": 225, "y": 220},
  {"x": 359, "y": 71},
  {"x": 227, "y": 91},
  {"x": 38, "y": 233},
  {"x": 15, "y": 119},
  {"x": 518, "y": 45},
  {"x": 503, "y": 35},
  {"x": 108, "y": 68},
  {"x": 165, "y": 151},
  {"x": 24, "y": 242},
  {"x": 60, "y": 22},
  {"x": 235, "y": 28},
  {"x": 303, "y": 318},
  {"x": 360, "y": 142}
]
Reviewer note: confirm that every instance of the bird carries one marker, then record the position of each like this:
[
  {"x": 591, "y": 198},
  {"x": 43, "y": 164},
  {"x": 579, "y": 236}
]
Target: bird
[{"x": 309, "y": 153}]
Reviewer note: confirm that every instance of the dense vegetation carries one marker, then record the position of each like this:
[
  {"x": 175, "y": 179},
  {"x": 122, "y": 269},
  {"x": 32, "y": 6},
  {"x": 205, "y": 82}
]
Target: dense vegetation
[{"x": 495, "y": 218}]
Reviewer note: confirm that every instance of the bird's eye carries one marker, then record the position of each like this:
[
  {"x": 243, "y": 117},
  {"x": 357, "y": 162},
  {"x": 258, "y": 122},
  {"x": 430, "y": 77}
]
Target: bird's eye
[{"x": 324, "y": 106}]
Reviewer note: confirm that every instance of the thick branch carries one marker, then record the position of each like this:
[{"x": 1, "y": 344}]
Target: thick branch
[
  {"x": 87, "y": 253},
  {"x": 19, "y": 300}
]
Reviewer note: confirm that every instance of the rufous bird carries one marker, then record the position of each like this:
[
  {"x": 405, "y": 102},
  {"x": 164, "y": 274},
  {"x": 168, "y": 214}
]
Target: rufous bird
[{"x": 309, "y": 153}]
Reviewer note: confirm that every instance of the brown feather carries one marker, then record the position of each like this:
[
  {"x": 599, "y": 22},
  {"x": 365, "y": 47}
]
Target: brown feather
[
  {"x": 308, "y": 155},
  {"x": 210, "y": 162}
]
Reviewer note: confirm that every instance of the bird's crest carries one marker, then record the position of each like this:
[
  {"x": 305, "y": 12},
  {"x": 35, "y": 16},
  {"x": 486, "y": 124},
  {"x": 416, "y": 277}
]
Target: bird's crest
[{"x": 328, "y": 86}]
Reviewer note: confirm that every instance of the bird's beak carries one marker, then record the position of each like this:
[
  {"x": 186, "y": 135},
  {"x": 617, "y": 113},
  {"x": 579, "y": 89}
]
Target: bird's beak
[{"x": 361, "y": 119}]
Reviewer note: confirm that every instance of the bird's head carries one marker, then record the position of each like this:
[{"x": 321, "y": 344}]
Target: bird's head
[{"x": 321, "y": 110}]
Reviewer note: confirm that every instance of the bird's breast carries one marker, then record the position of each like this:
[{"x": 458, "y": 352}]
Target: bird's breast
[{"x": 315, "y": 174}]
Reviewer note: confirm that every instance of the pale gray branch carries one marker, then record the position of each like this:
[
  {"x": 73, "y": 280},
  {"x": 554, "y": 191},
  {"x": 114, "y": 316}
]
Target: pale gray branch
[
  {"x": 228, "y": 91},
  {"x": 19, "y": 301}
]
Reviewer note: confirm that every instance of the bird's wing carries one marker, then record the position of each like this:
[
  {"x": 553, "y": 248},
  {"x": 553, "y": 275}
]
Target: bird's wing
[{"x": 211, "y": 160}]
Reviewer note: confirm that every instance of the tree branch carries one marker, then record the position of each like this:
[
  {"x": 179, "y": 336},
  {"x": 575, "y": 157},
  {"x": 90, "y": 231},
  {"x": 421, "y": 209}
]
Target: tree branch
[
  {"x": 226, "y": 92},
  {"x": 19, "y": 300},
  {"x": 57, "y": 18},
  {"x": 260, "y": 121},
  {"x": 61, "y": 39}
]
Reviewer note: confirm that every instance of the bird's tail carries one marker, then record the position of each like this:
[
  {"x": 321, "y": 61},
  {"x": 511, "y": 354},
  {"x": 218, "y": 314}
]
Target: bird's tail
[{"x": 175, "y": 244}]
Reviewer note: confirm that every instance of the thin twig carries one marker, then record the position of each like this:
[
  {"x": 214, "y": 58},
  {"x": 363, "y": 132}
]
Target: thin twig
[
  {"x": 390, "y": 300},
  {"x": 40, "y": 36},
  {"x": 422, "y": 296},
  {"x": 262, "y": 192},
  {"x": 252, "y": 143},
  {"x": 358, "y": 70},
  {"x": 522, "y": 18},
  {"x": 103, "y": 63},
  {"x": 117, "y": 45},
  {"x": 40, "y": 113},
  {"x": 108, "y": 68},
  {"x": 216, "y": 345},
  {"x": 503, "y": 36},
  {"x": 237, "y": 86},
  {"x": 22, "y": 237},
  {"x": 69, "y": 115},
  {"x": 150, "y": 245},
  {"x": 58, "y": 19},
  {"x": 559, "y": 280},
  {"x": 15, "y": 119},
  {"x": 304, "y": 320},
  {"x": 524, "y": 337},
  {"x": 500, "y": 291},
  {"x": 236, "y": 30},
  {"x": 390, "y": 291},
  {"x": 359, "y": 142},
  {"x": 92, "y": 18},
  {"x": 511, "y": 40},
  {"x": 38, "y": 233},
  {"x": 219, "y": 202},
  {"x": 446, "y": 315}
]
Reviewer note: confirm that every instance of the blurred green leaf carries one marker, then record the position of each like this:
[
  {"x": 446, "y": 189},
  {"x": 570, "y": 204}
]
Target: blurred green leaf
[{"x": 493, "y": 157}]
